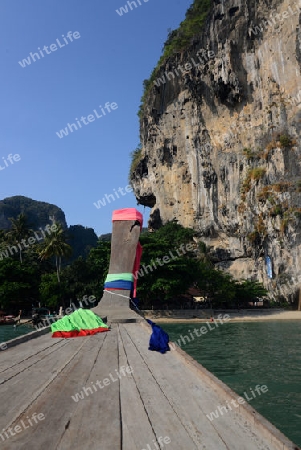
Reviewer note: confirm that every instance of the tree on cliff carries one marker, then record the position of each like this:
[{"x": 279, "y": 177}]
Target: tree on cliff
[
  {"x": 19, "y": 230},
  {"x": 55, "y": 245}
]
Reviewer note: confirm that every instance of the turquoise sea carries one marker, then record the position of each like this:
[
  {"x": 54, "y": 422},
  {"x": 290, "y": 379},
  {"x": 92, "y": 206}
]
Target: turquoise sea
[
  {"x": 244, "y": 355},
  {"x": 8, "y": 332}
]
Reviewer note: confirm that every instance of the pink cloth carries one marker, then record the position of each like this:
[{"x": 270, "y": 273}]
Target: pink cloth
[
  {"x": 136, "y": 266},
  {"x": 131, "y": 214},
  {"x": 127, "y": 214}
]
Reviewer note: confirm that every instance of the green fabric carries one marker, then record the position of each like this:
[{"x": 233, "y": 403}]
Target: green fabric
[
  {"x": 119, "y": 276},
  {"x": 81, "y": 319}
]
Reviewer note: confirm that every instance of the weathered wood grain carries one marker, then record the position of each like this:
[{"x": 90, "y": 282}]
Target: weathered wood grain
[
  {"x": 137, "y": 429},
  {"x": 163, "y": 397}
]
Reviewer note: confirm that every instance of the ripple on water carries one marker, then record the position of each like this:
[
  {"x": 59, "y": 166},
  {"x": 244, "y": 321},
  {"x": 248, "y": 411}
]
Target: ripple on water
[
  {"x": 250, "y": 353},
  {"x": 8, "y": 332}
]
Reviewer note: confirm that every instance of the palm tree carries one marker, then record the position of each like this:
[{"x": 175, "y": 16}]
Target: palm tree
[
  {"x": 55, "y": 245},
  {"x": 3, "y": 244},
  {"x": 19, "y": 230}
]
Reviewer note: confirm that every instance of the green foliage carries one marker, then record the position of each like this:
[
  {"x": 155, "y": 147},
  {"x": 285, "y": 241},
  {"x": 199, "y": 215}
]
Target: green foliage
[
  {"x": 32, "y": 279},
  {"x": 52, "y": 292},
  {"x": 217, "y": 286},
  {"x": 99, "y": 260},
  {"x": 55, "y": 245},
  {"x": 246, "y": 185},
  {"x": 18, "y": 285},
  {"x": 82, "y": 277},
  {"x": 297, "y": 213},
  {"x": 253, "y": 237},
  {"x": 249, "y": 153},
  {"x": 81, "y": 239},
  {"x": 276, "y": 210},
  {"x": 257, "y": 173},
  {"x": 135, "y": 159},
  {"x": 171, "y": 234},
  {"x": 179, "y": 39},
  {"x": 166, "y": 280},
  {"x": 253, "y": 174},
  {"x": 19, "y": 230},
  {"x": 223, "y": 290},
  {"x": 285, "y": 141},
  {"x": 188, "y": 264},
  {"x": 260, "y": 226},
  {"x": 169, "y": 281},
  {"x": 265, "y": 194},
  {"x": 248, "y": 290},
  {"x": 78, "y": 278}
]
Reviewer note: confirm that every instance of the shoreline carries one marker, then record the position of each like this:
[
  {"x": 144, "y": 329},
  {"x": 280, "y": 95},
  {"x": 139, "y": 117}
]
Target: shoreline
[{"x": 201, "y": 316}]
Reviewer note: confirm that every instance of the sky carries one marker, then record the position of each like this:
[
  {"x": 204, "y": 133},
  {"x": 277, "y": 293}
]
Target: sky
[{"x": 102, "y": 61}]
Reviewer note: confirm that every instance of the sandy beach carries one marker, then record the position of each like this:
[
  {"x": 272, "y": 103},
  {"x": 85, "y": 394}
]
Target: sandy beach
[{"x": 196, "y": 316}]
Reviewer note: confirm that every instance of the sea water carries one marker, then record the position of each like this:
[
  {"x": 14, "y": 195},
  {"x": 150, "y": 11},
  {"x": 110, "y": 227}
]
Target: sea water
[
  {"x": 247, "y": 354},
  {"x": 8, "y": 332}
]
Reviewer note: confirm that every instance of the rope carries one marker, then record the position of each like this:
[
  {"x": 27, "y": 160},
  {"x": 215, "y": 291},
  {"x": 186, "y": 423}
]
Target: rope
[
  {"x": 128, "y": 298},
  {"x": 119, "y": 295}
]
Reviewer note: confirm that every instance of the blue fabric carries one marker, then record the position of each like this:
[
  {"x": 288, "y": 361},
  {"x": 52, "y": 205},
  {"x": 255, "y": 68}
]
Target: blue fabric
[
  {"x": 119, "y": 284},
  {"x": 159, "y": 339},
  {"x": 269, "y": 268}
]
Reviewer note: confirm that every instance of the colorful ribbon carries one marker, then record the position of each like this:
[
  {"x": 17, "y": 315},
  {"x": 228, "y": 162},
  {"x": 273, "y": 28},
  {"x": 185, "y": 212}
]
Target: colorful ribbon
[
  {"x": 119, "y": 277},
  {"x": 119, "y": 284}
]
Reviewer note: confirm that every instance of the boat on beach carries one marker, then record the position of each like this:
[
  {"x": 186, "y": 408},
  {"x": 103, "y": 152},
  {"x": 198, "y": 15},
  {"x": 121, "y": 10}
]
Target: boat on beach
[{"x": 9, "y": 319}]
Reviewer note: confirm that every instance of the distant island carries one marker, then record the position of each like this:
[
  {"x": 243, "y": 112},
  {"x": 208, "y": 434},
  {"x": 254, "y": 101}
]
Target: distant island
[{"x": 40, "y": 214}]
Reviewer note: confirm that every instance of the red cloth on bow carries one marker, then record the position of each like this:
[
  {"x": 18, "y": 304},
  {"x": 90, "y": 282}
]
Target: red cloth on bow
[{"x": 127, "y": 214}]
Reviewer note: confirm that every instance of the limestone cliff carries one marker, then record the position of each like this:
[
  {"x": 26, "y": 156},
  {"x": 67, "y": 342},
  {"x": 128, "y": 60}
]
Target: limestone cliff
[
  {"x": 38, "y": 213},
  {"x": 220, "y": 140}
]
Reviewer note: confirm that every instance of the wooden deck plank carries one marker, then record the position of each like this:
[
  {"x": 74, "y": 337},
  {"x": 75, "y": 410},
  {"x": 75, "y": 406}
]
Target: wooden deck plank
[
  {"x": 55, "y": 402},
  {"x": 26, "y": 363},
  {"x": 21, "y": 391},
  {"x": 164, "y": 396},
  {"x": 164, "y": 419},
  {"x": 177, "y": 387},
  {"x": 11, "y": 355},
  {"x": 136, "y": 427},
  {"x": 97, "y": 418},
  {"x": 192, "y": 398}
]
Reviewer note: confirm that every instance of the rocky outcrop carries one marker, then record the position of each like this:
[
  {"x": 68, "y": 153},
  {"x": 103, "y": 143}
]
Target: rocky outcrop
[
  {"x": 38, "y": 214},
  {"x": 220, "y": 141}
]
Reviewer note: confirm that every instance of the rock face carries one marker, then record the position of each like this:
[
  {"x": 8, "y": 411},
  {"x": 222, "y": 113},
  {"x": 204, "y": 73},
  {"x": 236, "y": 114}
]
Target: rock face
[
  {"x": 82, "y": 240},
  {"x": 220, "y": 141},
  {"x": 38, "y": 213}
]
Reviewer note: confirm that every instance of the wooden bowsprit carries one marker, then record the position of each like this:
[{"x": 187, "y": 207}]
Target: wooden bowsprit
[{"x": 125, "y": 238}]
